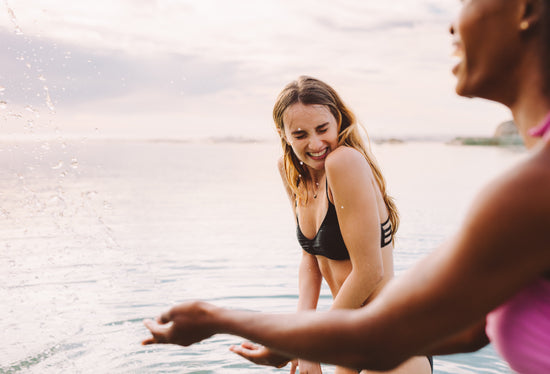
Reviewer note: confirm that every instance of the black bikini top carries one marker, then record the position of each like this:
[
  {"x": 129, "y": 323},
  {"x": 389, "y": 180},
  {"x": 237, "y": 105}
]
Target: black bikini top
[{"x": 328, "y": 242}]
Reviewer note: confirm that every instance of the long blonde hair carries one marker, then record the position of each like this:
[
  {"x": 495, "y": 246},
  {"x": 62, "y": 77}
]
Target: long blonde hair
[{"x": 311, "y": 91}]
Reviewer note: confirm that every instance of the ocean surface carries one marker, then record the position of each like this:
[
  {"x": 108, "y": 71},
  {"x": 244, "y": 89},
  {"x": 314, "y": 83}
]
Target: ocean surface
[{"x": 97, "y": 235}]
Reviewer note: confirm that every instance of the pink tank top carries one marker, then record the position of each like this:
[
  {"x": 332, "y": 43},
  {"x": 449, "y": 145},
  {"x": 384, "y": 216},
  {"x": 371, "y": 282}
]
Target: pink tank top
[{"x": 519, "y": 329}]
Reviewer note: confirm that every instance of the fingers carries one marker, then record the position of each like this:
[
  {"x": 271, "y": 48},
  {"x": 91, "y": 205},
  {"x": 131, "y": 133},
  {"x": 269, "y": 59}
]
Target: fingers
[
  {"x": 246, "y": 349},
  {"x": 160, "y": 332},
  {"x": 250, "y": 345},
  {"x": 242, "y": 351},
  {"x": 165, "y": 317},
  {"x": 152, "y": 340},
  {"x": 149, "y": 341},
  {"x": 293, "y": 366}
]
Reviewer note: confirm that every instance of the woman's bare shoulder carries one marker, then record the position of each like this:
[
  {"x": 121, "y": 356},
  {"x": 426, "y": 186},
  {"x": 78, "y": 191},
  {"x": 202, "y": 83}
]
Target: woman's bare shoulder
[{"x": 345, "y": 159}]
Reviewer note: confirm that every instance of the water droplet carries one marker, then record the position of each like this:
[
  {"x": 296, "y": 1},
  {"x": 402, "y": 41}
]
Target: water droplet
[
  {"x": 29, "y": 108},
  {"x": 301, "y": 162},
  {"x": 74, "y": 163},
  {"x": 49, "y": 102},
  {"x": 342, "y": 207},
  {"x": 58, "y": 166}
]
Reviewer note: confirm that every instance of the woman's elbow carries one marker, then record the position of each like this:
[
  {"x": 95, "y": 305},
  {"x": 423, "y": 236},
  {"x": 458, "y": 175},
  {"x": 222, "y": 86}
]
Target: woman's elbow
[{"x": 374, "y": 278}]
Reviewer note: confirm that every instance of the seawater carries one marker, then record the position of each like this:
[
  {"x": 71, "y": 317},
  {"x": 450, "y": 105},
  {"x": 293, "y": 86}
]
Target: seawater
[{"x": 98, "y": 235}]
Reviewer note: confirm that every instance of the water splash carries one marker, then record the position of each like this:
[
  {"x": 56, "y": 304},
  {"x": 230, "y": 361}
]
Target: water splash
[
  {"x": 49, "y": 102},
  {"x": 32, "y": 110},
  {"x": 13, "y": 19}
]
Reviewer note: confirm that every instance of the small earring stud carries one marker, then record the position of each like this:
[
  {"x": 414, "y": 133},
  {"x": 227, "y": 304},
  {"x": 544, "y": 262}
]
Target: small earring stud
[{"x": 524, "y": 25}]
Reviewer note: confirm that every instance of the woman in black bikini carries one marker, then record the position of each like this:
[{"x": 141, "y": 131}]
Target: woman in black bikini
[{"x": 345, "y": 220}]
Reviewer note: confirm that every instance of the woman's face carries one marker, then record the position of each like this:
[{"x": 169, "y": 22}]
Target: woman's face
[
  {"x": 486, "y": 40},
  {"x": 312, "y": 132}
]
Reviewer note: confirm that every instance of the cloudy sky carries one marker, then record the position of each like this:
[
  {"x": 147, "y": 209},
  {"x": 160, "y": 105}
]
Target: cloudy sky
[{"x": 196, "y": 68}]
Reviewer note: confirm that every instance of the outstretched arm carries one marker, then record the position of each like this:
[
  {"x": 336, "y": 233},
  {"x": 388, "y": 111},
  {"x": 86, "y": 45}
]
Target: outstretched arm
[{"x": 502, "y": 246}]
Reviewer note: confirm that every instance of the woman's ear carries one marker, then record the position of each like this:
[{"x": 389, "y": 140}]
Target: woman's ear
[
  {"x": 282, "y": 136},
  {"x": 531, "y": 13}
]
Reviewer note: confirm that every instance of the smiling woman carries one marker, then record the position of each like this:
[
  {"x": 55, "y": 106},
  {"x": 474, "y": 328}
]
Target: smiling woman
[{"x": 346, "y": 230}]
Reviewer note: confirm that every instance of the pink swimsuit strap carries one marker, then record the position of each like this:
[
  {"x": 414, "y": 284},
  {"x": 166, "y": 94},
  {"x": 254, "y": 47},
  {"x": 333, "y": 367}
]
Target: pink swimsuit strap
[{"x": 542, "y": 130}]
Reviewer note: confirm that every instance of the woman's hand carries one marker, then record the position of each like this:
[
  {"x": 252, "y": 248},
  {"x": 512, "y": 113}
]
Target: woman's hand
[
  {"x": 184, "y": 324},
  {"x": 261, "y": 355}
]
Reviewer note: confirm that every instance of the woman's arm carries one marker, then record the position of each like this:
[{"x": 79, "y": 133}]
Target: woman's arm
[
  {"x": 502, "y": 246},
  {"x": 351, "y": 184},
  {"x": 309, "y": 285},
  {"x": 309, "y": 282},
  {"x": 469, "y": 340}
]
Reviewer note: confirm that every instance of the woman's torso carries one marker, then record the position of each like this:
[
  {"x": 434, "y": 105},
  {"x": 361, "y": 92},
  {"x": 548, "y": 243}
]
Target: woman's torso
[{"x": 313, "y": 216}]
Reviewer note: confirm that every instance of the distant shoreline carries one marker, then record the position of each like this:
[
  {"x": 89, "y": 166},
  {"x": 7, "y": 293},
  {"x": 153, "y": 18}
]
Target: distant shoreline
[{"x": 456, "y": 140}]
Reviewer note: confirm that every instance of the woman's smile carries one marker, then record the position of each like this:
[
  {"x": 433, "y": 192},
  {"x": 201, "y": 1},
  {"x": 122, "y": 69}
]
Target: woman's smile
[
  {"x": 458, "y": 55},
  {"x": 318, "y": 155}
]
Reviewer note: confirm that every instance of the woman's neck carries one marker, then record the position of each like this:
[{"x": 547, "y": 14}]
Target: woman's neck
[
  {"x": 531, "y": 103},
  {"x": 317, "y": 176},
  {"x": 528, "y": 113}
]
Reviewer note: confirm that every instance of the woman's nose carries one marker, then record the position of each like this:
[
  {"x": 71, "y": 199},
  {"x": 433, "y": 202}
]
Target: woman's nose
[{"x": 315, "y": 142}]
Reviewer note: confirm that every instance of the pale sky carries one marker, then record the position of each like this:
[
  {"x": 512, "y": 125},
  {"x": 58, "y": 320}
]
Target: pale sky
[{"x": 201, "y": 68}]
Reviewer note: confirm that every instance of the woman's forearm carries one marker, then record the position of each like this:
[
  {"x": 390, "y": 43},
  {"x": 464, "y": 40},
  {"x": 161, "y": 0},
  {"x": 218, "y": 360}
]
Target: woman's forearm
[
  {"x": 468, "y": 340},
  {"x": 317, "y": 336},
  {"x": 309, "y": 283},
  {"x": 357, "y": 288}
]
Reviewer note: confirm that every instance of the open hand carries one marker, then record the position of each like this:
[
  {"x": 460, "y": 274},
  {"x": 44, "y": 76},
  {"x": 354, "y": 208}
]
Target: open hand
[
  {"x": 184, "y": 324},
  {"x": 261, "y": 355}
]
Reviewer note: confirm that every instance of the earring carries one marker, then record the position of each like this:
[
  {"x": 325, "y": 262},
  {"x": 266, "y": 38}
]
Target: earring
[{"x": 524, "y": 25}]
